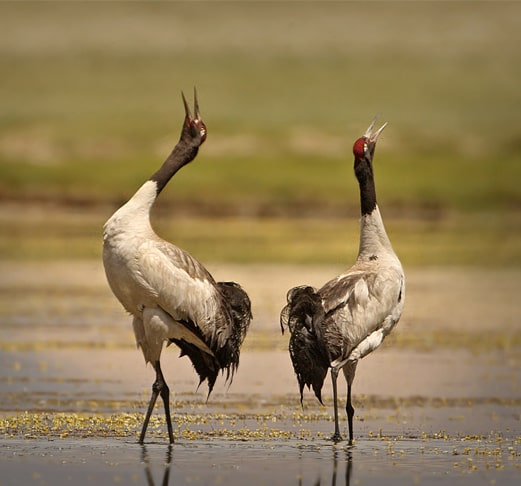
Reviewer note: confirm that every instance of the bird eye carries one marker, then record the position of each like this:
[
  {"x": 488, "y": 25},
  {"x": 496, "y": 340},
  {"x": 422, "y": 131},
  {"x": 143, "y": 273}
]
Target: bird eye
[{"x": 365, "y": 147}]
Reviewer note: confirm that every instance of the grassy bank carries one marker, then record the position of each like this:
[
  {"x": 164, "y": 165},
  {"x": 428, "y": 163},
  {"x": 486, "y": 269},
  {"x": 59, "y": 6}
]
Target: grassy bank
[{"x": 482, "y": 239}]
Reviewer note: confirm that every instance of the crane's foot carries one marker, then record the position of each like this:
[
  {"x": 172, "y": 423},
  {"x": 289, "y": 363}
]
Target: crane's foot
[{"x": 336, "y": 437}]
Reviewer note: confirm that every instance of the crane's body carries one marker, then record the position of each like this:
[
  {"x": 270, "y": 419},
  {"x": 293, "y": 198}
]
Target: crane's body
[
  {"x": 349, "y": 317},
  {"x": 171, "y": 296},
  {"x": 363, "y": 304},
  {"x": 161, "y": 285}
]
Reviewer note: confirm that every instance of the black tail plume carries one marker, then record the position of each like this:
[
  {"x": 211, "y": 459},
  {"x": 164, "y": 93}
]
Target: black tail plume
[
  {"x": 303, "y": 316},
  {"x": 205, "y": 365},
  {"x": 238, "y": 302},
  {"x": 226, "y": 352}
]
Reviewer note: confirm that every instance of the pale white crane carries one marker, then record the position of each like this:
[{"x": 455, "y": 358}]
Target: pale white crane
[
  {"x": 346, "y": 319},
  {"x": 171, "y": 296}
]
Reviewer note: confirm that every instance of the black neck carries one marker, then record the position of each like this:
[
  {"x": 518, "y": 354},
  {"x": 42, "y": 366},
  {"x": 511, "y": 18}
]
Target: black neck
[
  {"x": 180, "y": 156},
  {"x": 364, "y": 174}
]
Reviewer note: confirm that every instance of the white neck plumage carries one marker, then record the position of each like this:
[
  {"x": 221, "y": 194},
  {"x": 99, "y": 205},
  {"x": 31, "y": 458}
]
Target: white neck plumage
[
  {"x": 134, "y": 215},
  {"x": 373, "y": 237}
]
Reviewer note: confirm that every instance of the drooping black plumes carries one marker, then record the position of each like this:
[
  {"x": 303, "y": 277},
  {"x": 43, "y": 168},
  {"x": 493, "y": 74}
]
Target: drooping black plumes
[
  {"x": 240, "y": 310},
  {"x": 303, "y": 315},
  {"x": 206, "y": 365},
  {"x": 227, "y": 351}
]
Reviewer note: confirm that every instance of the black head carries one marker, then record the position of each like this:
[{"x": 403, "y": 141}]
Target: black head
[
  {"x": 194, "y": 129},
  {"x": 363, "y": 148}
]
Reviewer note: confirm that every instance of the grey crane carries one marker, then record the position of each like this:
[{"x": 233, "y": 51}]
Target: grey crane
[
  {"x": 170, "y": 295},
  {"x": 343, "y": 321}
]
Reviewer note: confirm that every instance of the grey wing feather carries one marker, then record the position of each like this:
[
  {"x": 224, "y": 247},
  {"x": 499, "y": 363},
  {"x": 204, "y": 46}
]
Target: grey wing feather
[
  {"x": 218, "y": 312},
  {"x": 182, "y": 259},
  {"x": 182, "y": 286},
  {"x": 356, "y": 305}
]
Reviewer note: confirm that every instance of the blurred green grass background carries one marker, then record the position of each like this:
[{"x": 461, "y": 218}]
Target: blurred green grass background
[{"x": 90, "y": 106}]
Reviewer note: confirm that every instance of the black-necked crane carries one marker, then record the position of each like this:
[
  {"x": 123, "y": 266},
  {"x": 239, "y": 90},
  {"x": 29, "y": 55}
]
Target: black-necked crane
[
  {"x": 337, "y": 325},
  {"x": 171, "y": 296}
]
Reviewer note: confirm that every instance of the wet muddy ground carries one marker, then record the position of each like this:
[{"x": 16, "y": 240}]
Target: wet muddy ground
[{"x": 439, "y": 402}]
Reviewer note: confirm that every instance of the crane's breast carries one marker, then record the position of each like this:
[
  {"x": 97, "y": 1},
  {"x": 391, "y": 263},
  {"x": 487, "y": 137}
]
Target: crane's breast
[{"x": 359, "y": 304}]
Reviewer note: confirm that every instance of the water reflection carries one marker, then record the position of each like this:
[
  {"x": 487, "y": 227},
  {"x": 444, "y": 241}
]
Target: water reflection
[
  {"x": 339, "y": 462},
  {"x": 148, "y": 470},
  {"x": 341, "y": 457}
]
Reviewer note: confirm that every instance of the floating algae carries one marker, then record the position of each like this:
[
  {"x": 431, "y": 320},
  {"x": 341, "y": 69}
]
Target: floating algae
[{"x": 189, "y": 426}]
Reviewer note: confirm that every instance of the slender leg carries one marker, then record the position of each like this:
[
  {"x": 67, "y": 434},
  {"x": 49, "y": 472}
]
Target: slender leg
[
  {"x": 165, "y": 395},
  {"x": 153, "y": 398},
  {"x": 334, "y": 375},
  {"x": 158, "y": 388},
  {"x": 350, "y": 413},
  {"x": 349, "y": 373}
]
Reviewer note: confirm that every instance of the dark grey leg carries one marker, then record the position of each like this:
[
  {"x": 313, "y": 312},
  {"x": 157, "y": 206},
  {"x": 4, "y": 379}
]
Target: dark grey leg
[
  {"x": 158, "y": 388},
  {"x": 334, "y": 375},
  {"x": 350, "y": 413}
]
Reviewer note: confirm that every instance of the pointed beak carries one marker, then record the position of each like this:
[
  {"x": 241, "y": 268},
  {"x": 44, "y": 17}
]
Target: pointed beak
[
  {"x": 374, "y": 136},
  {"x": 367, "y": 133},
  {"x": 187, "y": 108},
  {"x": 197, "y": 114}
]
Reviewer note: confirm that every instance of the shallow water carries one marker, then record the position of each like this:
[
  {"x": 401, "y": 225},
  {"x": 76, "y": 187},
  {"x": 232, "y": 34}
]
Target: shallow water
[
  {"x": 73, "y": 390},
  {"x": 397, "y": 461}
]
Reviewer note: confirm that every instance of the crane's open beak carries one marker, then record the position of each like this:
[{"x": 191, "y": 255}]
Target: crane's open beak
[
  {"x": 197, "y": 115},
  {"x": 372, "y": 137},
  {"x": 194, "y": 121}
]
